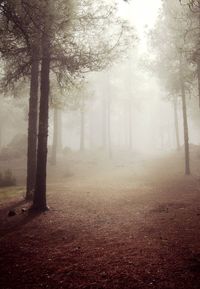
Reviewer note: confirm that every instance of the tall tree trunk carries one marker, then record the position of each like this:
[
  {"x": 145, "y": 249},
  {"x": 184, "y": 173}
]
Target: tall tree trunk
[
  {"x": 198, "y": 78},
  {"x": 82, "y": 130},
  {"x": 1, "y": 134},
  {"x": 176, "y": 122},
  {"x": 198, "y": 59},
  {"x": 55, "y": 136},
  {"x": 39, "y": 200},
  {"x": 185, "y": 123},
  {"x": 32, "y": 125}
]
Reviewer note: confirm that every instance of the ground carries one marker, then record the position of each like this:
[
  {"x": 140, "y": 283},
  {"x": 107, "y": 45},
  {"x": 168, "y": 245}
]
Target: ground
[{"x": 115, "y": 224}]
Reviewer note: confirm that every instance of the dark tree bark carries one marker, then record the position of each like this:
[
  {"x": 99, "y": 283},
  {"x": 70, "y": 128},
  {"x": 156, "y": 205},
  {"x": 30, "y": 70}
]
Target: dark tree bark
[
  {"x": 32, "y": 125},
  {"x": 185, "y": 123},
  {"x": 176, "y": 123},
  {"x": 39, "y": 200}
]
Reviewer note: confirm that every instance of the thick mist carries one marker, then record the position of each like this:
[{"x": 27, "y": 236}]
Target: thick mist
[{"x": 99, "y": 144}]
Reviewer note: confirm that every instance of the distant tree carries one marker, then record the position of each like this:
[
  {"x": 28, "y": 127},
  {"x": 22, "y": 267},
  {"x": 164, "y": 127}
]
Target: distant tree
[
  {"x": 56, "y": 143},
  {"x": 193, "y": 35},
  {"x": 58, "y": 101},
  {"x": 171, "y": 62}
]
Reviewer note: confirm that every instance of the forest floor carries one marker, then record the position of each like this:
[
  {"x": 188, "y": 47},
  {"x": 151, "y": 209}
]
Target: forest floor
[{"x": 121, "y": 224}]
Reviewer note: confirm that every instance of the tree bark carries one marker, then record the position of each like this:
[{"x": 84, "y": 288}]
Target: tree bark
[
  {"x": 1, "y": 134},
  {"x": 198, "y": 60},
  {"x": 176, "y": 123},
  {"x": 32, "y": 125},
  {"x": 39, "y": 200},
  {"x": 198, "y": 78},
  {"x": 185, "y": 123}
]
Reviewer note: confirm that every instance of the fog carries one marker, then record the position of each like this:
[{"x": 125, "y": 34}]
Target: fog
[
  {"x": 99, "y": 144},
  {"x": 129, "y": 87},
  {"x": 128, "y": 92},
  {"x": 122, "y": 109},
  {"x": 125, "y": 106},
  {"x": 141, "y": 115}
]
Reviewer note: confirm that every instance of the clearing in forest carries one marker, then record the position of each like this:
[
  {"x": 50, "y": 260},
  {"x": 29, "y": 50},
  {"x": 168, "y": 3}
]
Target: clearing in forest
[{"x": 123, "y": 225}]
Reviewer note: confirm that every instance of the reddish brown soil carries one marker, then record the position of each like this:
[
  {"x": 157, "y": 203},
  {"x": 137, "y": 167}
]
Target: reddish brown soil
[{"x": 127, "y": 226}]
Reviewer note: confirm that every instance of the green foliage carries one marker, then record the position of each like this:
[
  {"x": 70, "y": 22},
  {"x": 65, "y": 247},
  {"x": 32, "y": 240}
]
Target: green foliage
[{"x": 7, "y": 179}]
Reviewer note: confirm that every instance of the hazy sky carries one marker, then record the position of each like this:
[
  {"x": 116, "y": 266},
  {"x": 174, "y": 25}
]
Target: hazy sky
[
  {"x": 141, "y": 13},
  {"x": 144, "y": 12}
]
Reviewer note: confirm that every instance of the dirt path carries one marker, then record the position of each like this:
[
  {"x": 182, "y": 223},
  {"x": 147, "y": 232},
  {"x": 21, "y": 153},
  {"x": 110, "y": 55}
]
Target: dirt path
[{"x": 125, "y": 226}]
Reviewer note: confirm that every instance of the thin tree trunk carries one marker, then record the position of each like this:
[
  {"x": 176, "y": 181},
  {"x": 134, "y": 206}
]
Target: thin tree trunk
[
  {"x": 32, "y": 125},
  {"x": 1, "y": 134},
  {"x": 185, "y": 123},
  {"x": 176, "y": 123},
  {"x": 39, "y": 200},
  {"x": 55, "y": 137},
  {"x": 198, "y": 60},
  {"x": 198, "y": 78}
]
